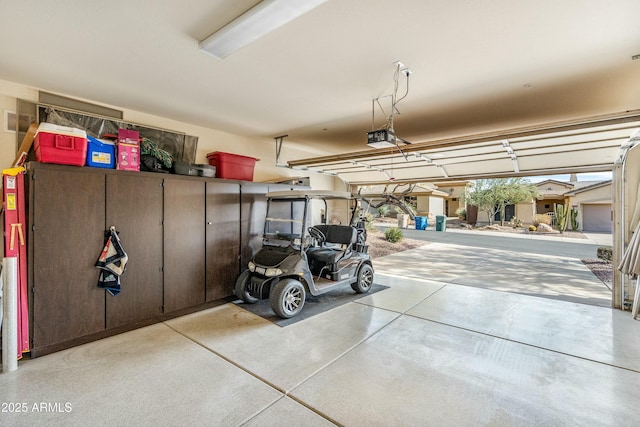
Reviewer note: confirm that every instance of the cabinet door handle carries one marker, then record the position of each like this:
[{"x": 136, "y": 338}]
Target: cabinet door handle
[{"x": 209, "y": 223}]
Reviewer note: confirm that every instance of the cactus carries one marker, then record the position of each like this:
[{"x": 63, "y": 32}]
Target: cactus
[
  {"x": 574, "y": 220},
  {"x": 561, "y": 215}
]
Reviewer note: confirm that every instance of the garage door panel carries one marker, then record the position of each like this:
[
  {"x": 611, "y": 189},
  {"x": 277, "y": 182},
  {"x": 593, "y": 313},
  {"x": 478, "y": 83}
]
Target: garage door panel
[
  {"x": 558, "y": 160},
  {"x": 597, "y": 217},
  {"x": 472, "y": 168}
]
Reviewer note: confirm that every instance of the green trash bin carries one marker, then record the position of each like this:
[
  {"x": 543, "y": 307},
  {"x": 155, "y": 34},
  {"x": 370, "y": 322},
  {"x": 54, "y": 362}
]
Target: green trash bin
[{"x": 441, "y": 223}]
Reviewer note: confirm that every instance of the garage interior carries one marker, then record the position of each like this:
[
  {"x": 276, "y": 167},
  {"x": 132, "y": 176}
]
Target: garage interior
[{"x": 469, "y": 89}]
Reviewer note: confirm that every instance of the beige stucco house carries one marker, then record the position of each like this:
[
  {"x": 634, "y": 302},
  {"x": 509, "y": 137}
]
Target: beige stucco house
[
  {"x": 592, "y": 200},
  {"x": 428, "y": 199}
]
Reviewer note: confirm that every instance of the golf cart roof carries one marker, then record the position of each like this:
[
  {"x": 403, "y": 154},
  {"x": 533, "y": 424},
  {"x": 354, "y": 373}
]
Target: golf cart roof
[{"x": 312, "y": 194}]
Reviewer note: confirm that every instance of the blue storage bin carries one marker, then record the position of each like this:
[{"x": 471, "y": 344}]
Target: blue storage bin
[
  {"x": 101, "y": 154},
  {"x": 422, "y": 222}
]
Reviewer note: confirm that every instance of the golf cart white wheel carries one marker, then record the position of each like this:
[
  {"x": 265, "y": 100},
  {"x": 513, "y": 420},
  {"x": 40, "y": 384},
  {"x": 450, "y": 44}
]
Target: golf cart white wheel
[
  {"x": 241, "y": 290},
  {"x": 365, "y": 279},
  {"x": 287, "y": 298}
]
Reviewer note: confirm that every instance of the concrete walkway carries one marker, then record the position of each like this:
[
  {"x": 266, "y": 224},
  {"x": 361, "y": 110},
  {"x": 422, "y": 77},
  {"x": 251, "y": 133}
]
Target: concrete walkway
[{"x": 543, "y": 266}]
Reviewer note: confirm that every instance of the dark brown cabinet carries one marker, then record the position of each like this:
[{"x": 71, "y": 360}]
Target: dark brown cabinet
[
  {"x": 66, "y": 234},
  {"x": 134, "y": 206},
  {"x": 184, "y": 244},
  {"x": 222, "y": 238},
  {"x": 187, "y": 239}
]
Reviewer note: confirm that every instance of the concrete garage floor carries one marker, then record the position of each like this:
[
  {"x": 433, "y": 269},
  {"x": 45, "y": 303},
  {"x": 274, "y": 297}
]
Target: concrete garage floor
[{"x": 420, "y": 353}]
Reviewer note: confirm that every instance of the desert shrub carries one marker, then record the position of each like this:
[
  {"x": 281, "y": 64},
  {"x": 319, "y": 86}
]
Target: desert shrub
[
  {"x": 368, "y": 221},
  {"x": 532, "y": 228},
  {"x": 393, "y": 234},
  {"x": 541, "y": 219},
  {"x": 383, "y": 210},
  {"x": 515, "y": 222},
  {"x": 605, "y": 253},
  {"x": 413, "y": 207},
  {"x": 461, "y": 213}
]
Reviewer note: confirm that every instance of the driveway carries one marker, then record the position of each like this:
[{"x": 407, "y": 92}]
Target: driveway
[{"x": 546, "y": 267}]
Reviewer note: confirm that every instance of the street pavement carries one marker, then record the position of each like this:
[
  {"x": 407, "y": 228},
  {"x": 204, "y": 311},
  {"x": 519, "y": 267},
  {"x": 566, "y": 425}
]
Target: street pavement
[
  {"x": 547, "y": 245},
  {"x": 546, "y": 267}
]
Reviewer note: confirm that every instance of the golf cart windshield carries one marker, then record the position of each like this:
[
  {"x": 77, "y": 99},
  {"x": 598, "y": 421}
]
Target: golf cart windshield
[
  {"x": 291, "y": 213},
  {"x": 285, "y": 222}
]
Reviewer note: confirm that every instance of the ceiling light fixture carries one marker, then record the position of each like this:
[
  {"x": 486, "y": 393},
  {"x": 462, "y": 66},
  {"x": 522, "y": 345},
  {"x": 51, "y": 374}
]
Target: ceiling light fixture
[{"x": 257, "y": 22}]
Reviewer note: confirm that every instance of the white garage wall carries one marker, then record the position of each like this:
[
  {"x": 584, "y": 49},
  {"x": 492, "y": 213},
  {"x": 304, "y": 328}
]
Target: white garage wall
[{"x": 208, "y": 140}]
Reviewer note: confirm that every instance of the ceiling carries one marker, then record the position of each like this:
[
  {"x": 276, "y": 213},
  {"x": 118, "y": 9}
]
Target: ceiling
[{"x": 478, "y": 66}]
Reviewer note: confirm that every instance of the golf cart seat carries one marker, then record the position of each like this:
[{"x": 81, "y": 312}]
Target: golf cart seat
[{"x": 343, "y": 235}]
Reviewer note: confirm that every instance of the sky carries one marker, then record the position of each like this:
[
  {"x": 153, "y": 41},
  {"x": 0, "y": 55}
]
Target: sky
[{"x": 596, "y": 176}]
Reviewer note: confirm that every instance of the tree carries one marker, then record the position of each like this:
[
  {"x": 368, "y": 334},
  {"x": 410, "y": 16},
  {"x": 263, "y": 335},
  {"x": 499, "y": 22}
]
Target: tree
[
  {"x": 389, "y": 198},
  {"x": 493, "y": 195},
  {"x": 480, "y": 193}
]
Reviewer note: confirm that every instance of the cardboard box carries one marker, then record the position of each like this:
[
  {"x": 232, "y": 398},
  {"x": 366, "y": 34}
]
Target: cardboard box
[
  {"x": 60, "y": 144},
  {"x": 128, "y": 150},
  {"x": 27, "y": 142}
]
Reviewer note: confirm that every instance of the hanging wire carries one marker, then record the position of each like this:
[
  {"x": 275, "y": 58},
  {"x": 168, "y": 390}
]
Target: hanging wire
[
  {"x": 377, "y": 100},
  {"x": 394, "y": 98},
  {"x": 394, "y": 101},
  {"x": 396, "y": 78},
  {"x": 407, "y": 91}
]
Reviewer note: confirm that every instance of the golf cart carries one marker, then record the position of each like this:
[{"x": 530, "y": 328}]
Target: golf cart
[{"x": 297, "y": 258}]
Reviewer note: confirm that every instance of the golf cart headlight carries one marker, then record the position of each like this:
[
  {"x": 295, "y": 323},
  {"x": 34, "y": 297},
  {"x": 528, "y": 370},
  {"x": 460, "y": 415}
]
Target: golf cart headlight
[
  {"x": 252, "y": 267},
  {"x": 272, "y": 272}
]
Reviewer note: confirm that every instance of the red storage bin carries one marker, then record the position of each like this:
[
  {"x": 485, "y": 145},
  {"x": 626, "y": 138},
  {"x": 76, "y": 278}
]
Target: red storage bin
[
  {"x": 60, "y": 144},
  {"x": 232, "y": 166}
]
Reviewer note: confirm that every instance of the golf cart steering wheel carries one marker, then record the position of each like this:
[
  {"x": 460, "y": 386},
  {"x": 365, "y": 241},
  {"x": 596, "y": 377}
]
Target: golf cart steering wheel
[{"x": 317, "y": 234}]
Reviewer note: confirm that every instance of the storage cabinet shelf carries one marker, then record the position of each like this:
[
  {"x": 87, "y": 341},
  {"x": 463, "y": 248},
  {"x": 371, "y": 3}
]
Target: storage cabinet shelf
[{"x": 186, "y": 238}]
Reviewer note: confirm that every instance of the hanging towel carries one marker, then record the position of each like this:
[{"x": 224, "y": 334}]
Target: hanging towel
[{"x": 112, "y": 261}]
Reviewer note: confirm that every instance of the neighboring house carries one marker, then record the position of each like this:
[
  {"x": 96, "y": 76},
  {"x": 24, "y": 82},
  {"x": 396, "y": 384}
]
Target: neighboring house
[
  {"x": 592, "y": 199},
  {"x": 595, "y": 206},
  {"x": 453, "y": 200}
]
